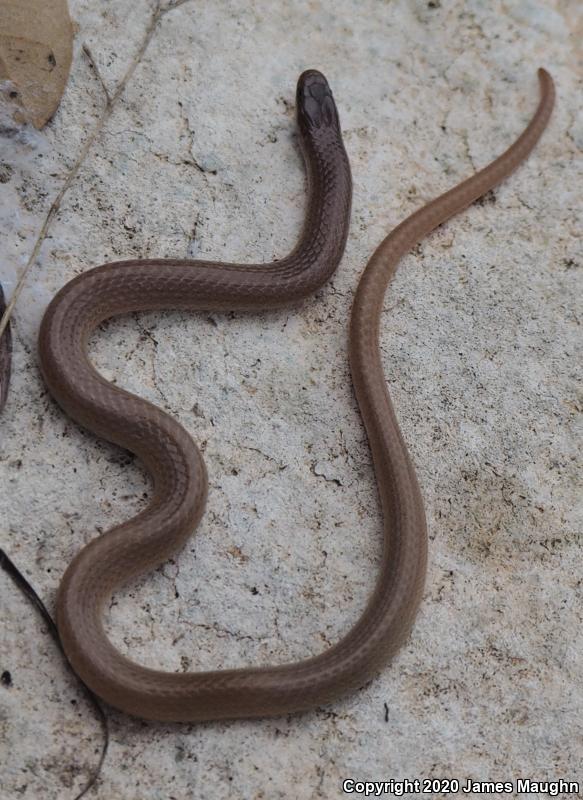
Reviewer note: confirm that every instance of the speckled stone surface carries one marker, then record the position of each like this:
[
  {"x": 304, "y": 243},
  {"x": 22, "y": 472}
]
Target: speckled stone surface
[{"x": 481, "y": 339}]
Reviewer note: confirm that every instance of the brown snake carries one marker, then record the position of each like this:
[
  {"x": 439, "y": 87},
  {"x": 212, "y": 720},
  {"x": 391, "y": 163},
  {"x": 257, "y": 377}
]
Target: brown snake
[{"x": 177, "y": 468}]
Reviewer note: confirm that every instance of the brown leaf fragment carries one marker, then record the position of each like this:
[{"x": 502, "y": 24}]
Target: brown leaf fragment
[
  {"x": 36, "y": 48},
  {"x": 5, "y": 355}
]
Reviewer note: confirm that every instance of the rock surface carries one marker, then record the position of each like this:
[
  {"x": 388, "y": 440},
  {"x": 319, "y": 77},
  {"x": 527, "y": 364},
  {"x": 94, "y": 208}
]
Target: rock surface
[{"x": 480, "y": 338}]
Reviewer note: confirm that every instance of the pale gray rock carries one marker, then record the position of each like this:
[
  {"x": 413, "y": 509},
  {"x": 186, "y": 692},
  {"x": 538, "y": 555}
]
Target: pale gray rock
[{"x": 481, "y": 342}]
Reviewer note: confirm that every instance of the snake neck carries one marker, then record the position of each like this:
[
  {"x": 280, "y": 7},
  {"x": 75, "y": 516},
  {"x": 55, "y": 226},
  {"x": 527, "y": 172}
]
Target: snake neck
[{"x": 327, "y": 219}]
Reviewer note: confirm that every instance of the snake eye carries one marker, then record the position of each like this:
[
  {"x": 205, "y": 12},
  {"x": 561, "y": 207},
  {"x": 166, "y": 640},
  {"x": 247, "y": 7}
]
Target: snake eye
[{"x": 315, "y": 104}]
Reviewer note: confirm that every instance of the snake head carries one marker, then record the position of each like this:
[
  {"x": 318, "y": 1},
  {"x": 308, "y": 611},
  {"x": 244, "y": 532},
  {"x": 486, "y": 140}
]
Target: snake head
[{"x": 315, "y": 104}]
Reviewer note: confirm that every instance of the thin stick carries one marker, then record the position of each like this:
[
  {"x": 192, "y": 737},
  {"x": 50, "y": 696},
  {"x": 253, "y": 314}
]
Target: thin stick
[
  {"x": 110, "y": 101},
  {"x": 29, "y": 592}
]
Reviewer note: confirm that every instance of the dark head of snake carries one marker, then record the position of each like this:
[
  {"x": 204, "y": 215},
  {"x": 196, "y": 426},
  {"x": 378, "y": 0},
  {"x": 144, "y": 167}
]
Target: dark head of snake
[{"x": 314, "y": 102}]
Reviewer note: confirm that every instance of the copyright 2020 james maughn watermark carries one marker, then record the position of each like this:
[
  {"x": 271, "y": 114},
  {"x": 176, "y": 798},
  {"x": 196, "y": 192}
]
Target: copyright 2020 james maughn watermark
[{"x": 468, "y": 786}]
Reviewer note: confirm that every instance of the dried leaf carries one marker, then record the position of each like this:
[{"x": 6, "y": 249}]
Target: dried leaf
[
  {"x": 36, "y": 47},
  {"x": 5, "y": 356}
]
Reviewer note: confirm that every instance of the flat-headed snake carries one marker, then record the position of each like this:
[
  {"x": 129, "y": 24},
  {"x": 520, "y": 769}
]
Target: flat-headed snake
[{"x": 176, "y": 466}]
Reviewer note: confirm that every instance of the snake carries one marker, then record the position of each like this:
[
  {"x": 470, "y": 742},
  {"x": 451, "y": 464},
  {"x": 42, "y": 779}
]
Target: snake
[
  {"x": 5, "y": 355},
  {"x": 176, "y": 466}
]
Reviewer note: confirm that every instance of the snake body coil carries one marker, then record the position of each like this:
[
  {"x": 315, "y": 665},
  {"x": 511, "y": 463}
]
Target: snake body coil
[{"x": 176, "y": 466}]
